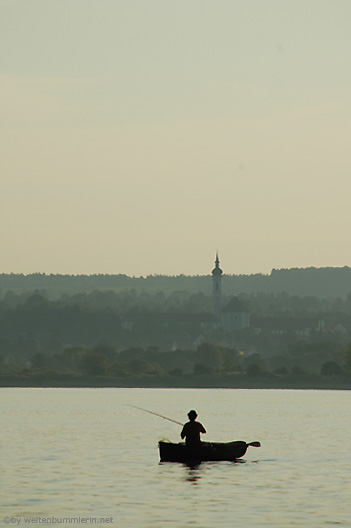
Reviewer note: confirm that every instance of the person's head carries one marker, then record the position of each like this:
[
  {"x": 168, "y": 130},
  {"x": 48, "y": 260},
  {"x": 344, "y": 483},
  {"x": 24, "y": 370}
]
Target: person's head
[{"x": 192, "y": 415}]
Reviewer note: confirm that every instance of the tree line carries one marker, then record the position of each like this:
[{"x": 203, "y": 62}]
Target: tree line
[
  {"x": 208, "y": 365},
  {"x": 317, "y": 282},
  {"x": 82, "y": 336}
]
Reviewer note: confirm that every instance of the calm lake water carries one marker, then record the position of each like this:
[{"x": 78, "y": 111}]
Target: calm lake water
[{"x": 68, "y": 453}]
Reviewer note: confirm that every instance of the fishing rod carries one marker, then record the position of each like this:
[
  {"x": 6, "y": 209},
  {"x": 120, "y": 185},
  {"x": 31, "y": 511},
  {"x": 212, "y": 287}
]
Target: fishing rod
[{"x": 156, "y": 414}]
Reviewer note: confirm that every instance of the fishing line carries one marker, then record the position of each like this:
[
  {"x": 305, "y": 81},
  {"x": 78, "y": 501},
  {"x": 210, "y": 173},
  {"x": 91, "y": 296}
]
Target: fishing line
[{"x": 156, "y": 414}]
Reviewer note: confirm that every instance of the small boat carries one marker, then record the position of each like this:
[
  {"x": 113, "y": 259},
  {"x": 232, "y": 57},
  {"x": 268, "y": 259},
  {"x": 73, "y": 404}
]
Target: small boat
[{"x": 206, "y": 451}]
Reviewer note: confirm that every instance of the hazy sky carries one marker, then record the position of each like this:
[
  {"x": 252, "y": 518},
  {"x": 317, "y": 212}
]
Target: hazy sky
[{"x": 140, "y": 136}]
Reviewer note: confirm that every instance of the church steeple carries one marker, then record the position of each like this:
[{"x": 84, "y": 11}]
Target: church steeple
[
  {"x": 217, "y": 270},
  {"x": 217, "y": 288}
]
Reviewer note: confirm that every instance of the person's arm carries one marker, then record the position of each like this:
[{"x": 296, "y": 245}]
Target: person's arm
[
  {"x": 202, "y": 430},
  {"x": 182, "y": 434}
]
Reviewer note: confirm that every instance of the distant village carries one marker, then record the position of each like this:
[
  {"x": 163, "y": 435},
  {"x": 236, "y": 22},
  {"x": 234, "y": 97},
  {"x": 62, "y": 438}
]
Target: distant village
[
  {"x": 227, "y": 319},
  {"x": 66, "y": 329}
]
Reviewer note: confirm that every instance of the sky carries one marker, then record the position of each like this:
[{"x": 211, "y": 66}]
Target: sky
[{"x": 142, "y": 136}]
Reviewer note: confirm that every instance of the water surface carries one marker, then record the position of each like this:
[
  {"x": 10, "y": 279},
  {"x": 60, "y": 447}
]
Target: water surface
[{"x": 84, "y": 453}]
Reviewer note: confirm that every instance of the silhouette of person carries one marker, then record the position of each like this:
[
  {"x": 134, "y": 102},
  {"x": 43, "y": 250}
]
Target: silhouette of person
[{"x": 192, "y": 429}]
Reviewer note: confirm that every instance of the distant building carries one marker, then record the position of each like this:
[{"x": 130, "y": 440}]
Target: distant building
[
  {"x": 292, "y": 325},
  {"x": 183, "y": 326},
  {"x": 217, "y": 288},
  {"x": 234, "y": 316}
]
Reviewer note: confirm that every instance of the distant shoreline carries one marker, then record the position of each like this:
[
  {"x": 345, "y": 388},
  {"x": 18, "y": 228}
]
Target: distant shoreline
[{"x": 168, "y": 383}]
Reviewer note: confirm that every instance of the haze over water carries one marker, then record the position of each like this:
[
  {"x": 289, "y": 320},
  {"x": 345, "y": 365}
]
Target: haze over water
[{"x": 85, "y": 453}]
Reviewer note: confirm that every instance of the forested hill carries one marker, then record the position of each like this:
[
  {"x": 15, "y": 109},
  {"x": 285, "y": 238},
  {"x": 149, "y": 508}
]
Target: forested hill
[{"x": 318, "y": 282}]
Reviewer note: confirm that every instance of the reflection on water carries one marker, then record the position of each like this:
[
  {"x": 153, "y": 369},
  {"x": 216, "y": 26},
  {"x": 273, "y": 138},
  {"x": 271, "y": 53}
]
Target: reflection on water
[{"x": 193, "y": 472}]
